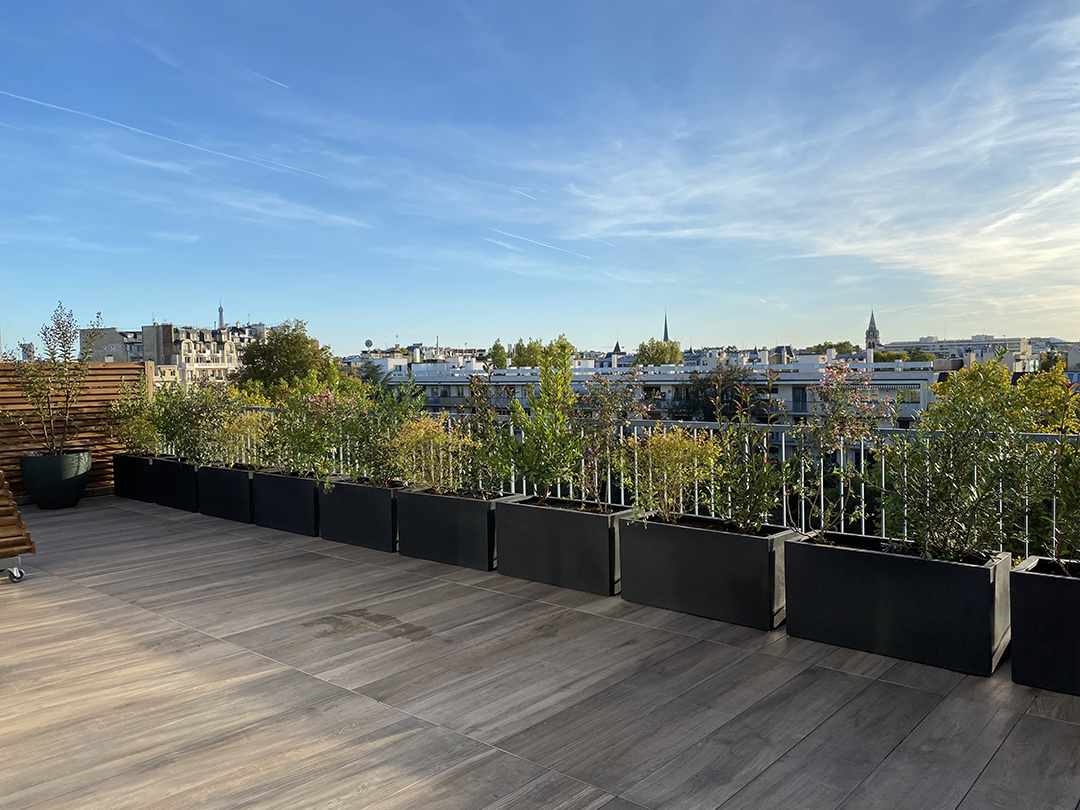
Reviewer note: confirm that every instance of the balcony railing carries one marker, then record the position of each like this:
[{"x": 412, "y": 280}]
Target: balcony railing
[{"x": 861, "y": 504}]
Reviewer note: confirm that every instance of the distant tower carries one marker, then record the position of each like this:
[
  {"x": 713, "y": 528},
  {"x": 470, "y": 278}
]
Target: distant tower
[
  {"x": 220, "y": 316},
  {"x": 616, "y": 350},
  {"x": 666, "y": 339},
  {"x": 873, "y": 339}
]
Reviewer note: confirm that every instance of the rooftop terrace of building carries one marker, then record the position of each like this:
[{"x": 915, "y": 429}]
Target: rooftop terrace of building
[{"x": 157, "y": 658}]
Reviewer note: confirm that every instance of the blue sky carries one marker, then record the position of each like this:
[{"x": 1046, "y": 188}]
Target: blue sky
[{"x": 473, "y": 170}]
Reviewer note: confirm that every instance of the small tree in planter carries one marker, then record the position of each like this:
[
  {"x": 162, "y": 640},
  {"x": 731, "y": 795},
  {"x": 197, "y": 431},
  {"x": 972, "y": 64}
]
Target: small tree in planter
[
  {"x": 192, "y": 421},
  {"x": 429, "y": 453},
  {"x": 359, "y": 507},
  {"x": 304, "y": 446},
  {"x": 727, "y": 569},
  {"x": 749, "y": 485},
  {"x": 672, "y": 469},
  {"x": 130, "y": 420},
  {"x": 550, "y": 445},
  {"x": 1045, "y": 590},
  {"x": 52, "y": 382},
  {"x": 191, "y": 424},
  {"x": 372, "y": 429},
  {"x": 950, "y": 482},
  {"x": 939, "y": 595},
  {"x": 607, "y": 407},
  {"x": 575, "y": 546},
  {"x": 452, "y": 518},
  {"x": 846, "y": 414}
]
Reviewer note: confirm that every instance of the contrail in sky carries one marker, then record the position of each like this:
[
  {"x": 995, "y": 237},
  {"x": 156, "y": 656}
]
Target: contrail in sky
[
  {"x": 586, "y": 236},
  {"x": 275, "y": 81},
  {"x": 542, "y": 244},
  {"x": 522, "y": 193},
  {"x": 256, "y": 162}
]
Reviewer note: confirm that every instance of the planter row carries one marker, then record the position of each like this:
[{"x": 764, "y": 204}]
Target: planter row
[{"x": 850, "y": 593}]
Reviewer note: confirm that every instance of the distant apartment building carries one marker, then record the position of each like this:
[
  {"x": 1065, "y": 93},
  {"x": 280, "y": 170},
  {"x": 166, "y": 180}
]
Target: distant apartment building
[
  {"x": 179, "y": 353},
  {"x": 1017, "y": 354},
  {"x": 790, "y": 386}
]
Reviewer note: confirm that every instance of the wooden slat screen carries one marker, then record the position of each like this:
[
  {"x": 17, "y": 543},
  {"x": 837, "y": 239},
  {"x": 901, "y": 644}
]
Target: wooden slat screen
[
  {"x": 14, "y": 538},
  {"x": 102, "y": 386}
]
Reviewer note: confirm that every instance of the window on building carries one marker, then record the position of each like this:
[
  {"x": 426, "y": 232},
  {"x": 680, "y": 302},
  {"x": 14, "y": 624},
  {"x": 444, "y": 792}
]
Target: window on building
[{"x": 798, "y": 399}]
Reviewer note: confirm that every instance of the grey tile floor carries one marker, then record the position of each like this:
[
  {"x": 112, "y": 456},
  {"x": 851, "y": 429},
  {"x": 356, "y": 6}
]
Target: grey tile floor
[{"x": 158, "y": 659}]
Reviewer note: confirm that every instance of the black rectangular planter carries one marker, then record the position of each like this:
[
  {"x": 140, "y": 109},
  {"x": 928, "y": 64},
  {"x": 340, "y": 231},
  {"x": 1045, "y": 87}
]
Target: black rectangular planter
[
  {"x": 571, "y": 547},
  {"x": 448, "y": 529},
  {"x": 285, "y": 502},
  {"x": 1046, "y": 625},
  {"x": 946, "y": 614},
  {"x": 225, "y": 493},
  {"x": 712, "y": 572},
  {"x": 175, "y": 483},
  {"x": 131, "y": 478},
  {"x": 359, "y": 515}
]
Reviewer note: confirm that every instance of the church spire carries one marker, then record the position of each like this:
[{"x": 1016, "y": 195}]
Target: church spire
[
  {"x": 873, "y": 337},
  {"x": 666, "y": 339}
]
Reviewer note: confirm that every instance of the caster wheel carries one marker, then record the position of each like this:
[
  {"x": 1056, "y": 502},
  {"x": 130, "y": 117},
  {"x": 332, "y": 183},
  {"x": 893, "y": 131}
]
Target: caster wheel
[{"x": 16, "y": 574}]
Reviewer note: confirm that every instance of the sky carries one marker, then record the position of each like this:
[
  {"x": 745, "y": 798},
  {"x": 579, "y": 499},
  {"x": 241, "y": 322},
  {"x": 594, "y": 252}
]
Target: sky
[{"x": 765, "y": 172}]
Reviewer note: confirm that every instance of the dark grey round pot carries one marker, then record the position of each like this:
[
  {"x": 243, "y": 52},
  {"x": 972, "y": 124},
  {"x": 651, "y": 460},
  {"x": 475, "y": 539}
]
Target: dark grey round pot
[{"x": 56, "y": 482}]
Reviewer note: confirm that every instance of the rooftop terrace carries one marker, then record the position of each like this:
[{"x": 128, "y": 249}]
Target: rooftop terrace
[{"x": 154, "y": 658}]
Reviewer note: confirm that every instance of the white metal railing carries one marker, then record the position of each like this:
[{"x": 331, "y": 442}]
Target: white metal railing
[{"x": 802, "y": 501}]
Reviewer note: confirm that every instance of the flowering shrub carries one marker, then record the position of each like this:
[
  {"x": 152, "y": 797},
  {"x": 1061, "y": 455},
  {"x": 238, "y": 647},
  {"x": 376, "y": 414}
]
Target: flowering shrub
[{"x": 846, "y": 413}]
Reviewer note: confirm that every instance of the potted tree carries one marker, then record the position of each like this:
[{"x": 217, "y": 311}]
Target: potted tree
[
  {"x": 359, "y": 505},
  {"x": 456, "y": 476},
  {"x": 52, "y": 384},
  {"x": 1045, "y": 588},
  {"x": 131, "y": 423},
  {"x": 938, "y": 592},
  {"x": 571, "y": 543},
  {"x": 302, "y": 447},
  {"x": 190, "y": 423},
  {"x": 231, "y": 433},
  {"x": 729, "y": 566}
]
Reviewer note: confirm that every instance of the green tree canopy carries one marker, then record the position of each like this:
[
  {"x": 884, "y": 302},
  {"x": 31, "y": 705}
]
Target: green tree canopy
[
  {"x": 285, "y": 357},
  {"x": 717, "y": 394},
  {"x": 655, "y": 352},
  {"x": 841, "y": 347},
  {"x": 372, "y": 372},
  {"x": 497, "y": 354},
  {"x": 530, "y": 355},
  {"x": 526, "y": 355}
]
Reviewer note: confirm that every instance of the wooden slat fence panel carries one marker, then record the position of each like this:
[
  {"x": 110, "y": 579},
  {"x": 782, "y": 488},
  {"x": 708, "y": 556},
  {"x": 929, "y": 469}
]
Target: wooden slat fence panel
[
  {"x": 102, "y": 386},
  {"x": 14, "y": 538}
]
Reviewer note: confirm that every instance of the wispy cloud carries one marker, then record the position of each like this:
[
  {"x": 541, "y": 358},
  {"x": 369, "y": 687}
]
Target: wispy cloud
[
  {"x": 542, "y": 244},
  {"x": 974, "y": 179},
  {"x": 271, "y": 165},
  {"x": 506, "y": 245},
  {"x": 269, "y": 208},
  {"x": 157, "y": 52},
  {"x": 168, "y": 236},
  {"x": 53, "y": 238}
]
